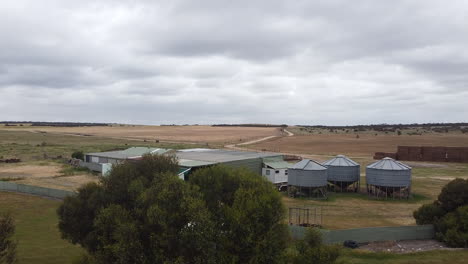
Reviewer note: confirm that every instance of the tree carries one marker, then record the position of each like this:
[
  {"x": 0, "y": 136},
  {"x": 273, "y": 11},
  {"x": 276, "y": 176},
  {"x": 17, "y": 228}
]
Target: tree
[
  {"x": 7, "y": 244},
  {"x": 247, "y": 213},
  {"x": 141, "y": 213},
  {"x": 448, "y": 214}
]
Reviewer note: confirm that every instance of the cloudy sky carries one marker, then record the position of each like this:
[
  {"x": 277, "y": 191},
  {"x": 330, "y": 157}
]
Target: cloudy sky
[{"x": 296, "y": 62}]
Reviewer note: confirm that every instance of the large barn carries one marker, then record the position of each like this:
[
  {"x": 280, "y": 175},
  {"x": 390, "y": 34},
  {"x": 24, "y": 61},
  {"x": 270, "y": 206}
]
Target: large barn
[{"x": 192, "y": 159}]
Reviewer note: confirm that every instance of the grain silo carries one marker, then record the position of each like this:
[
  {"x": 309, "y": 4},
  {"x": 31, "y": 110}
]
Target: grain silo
[
  {"x": 388, "y": 178},
  {"x": 343, "y": 173},
  {"x": 307, "y": 178}
]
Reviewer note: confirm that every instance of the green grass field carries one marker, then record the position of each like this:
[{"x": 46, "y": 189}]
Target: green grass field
[
  {"x": 40, "y": 242},
  {"x": 36, "y": 229}
]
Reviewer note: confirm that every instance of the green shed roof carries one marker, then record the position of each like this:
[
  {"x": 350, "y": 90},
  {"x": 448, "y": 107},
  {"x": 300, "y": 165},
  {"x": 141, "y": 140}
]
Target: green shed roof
[{"x": 277, "y": 163}]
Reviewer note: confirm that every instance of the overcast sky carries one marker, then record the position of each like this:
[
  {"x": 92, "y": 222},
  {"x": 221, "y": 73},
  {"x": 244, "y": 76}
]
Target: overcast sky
[{"x": 296, "y": 62}]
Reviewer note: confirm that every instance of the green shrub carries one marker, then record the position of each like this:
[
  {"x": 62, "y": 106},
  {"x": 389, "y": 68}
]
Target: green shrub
[
  {"x": 429, "y": 214},
  {"x": 454, "y": 195},
  {"x": 313, "y": 237},
  {"x": 78, "y": 155},
  {"x": 312, "y": 250},
  {"x": 449, "y": 214},
  {"x": 453, "y": 228}
]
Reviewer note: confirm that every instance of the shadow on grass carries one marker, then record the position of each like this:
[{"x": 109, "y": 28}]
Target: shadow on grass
[{"x": 333, "y": 197}]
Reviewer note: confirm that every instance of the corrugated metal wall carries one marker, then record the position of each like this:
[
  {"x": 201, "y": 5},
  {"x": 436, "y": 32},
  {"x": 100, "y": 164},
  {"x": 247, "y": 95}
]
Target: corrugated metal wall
[
  {"x": 307, "y": 178},
  {"x": 388, "y": 178},
  {"x": 254, "y": 164},
  {"x": 344, "y": 173}
]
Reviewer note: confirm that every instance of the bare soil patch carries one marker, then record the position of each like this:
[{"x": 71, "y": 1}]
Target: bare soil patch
[
  {"x": 29, "y": 171},
  {"x": 406, "y": 246},
  {"x": 48, "y": 176}
]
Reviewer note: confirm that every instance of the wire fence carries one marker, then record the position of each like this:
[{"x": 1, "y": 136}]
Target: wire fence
[
  {"x": 370, "y": 234},
  {"x": 34, "y": 190}
]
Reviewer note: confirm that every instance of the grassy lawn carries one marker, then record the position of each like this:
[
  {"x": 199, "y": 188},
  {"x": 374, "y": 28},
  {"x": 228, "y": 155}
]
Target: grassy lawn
[
  {"x": 429, "y": 257},
  {"x": 36, "y": 229},
  {"x": 356, "y": 210}
]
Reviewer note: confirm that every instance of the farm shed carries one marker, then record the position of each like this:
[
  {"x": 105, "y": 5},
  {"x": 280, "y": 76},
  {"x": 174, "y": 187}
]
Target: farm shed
[
  {"x": 275, "y": 169},
  {"x": 308, "y": 178},
  {"x": 388, "y": 178},
  {"x": 103, "y": 161},
  {"x": 189, "y": 159},
  {"x": 343, "y": 173},
  {"x": 196, "y": 158}
]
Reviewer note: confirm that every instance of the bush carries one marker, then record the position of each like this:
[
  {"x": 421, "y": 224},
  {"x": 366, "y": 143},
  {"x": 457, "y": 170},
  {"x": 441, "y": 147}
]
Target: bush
[
  {"x": 449, "y": 214},
  {"x": 429, "y": 214},
  {"x": 78, "y": 155},
  {"x": 312, "y": 250},
  {"x": 454, "y": 194},
  {"x": 313, "y": 237},
  {"x": 453, "y": 228}
]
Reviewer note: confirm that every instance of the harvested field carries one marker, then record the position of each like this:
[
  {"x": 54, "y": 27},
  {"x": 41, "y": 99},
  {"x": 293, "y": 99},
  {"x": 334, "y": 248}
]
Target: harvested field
[
  {"x": 49, "y": 176},
  {"x": 67, "y": 183},
  {"x": 29, "y": 171},
  {"x": 192, "y": 134},
  {"x": 364, "y": 146}
]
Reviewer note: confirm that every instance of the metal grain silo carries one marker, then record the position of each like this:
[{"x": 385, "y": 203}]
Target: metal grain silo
[
  {"x": 343, "y": 173},
  {"x": 307, "y": 178},
  {"x": 388, "y": 178}
]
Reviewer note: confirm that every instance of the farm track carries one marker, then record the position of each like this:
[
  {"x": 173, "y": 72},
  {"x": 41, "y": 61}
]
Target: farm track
[{"x": 236, "y": 146}]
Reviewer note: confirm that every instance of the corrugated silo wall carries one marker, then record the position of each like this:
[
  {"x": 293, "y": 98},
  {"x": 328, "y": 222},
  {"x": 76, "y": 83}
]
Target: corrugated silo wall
[
  {"x": 344, "y": 173},
  {"x": 307, "y": 178},
  {"x": 388, "y": 178},
  {"x": 254, "y": 164}
]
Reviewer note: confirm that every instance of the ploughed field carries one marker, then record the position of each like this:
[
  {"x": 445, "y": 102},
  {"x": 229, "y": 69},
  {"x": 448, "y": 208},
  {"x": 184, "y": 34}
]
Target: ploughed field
[
  {"x": 363, "y": 146},
  {"x": 192, "y": 134}
]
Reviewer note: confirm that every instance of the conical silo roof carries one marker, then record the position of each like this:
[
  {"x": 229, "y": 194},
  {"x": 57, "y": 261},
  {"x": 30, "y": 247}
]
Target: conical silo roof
[
  {"x": 388, "y": 164},
  {"x": 307, "y": 164},
  {"x": 340, "y": 161}
]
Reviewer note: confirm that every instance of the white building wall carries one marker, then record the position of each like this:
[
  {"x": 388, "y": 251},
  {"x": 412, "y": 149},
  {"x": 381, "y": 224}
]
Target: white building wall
[{"x": 275, "y": 176}]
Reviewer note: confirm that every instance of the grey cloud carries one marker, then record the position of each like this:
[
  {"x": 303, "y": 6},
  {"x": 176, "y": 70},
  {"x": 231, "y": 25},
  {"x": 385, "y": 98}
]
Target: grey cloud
[{"x": 327, "y": 62}]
